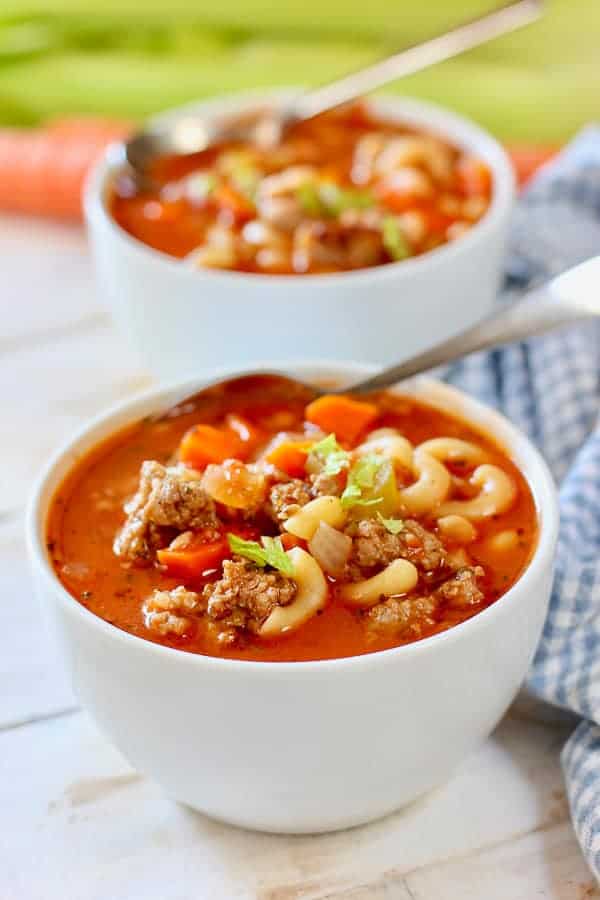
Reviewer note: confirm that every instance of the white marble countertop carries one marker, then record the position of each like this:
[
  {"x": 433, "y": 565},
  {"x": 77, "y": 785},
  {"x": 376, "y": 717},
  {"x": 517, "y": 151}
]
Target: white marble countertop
[{"x": 76, "y": 823}]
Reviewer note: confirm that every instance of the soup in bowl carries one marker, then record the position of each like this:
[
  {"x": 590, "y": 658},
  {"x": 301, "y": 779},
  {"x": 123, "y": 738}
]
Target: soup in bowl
[
  {"x": 346, "y": 190},
  {"x": 369, "y": 234},
  {"x": 287, "y": 595}
]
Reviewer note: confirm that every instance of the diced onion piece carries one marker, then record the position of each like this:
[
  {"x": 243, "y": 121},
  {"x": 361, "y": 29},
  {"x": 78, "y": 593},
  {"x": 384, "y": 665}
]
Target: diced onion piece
[
  {"x": 399, "y": 577},
  {"x": 311, "y": 596},
  {"x": 235, "y": 484},
  {"x": 330, "y": 548},
  {"x": 324, "y": 509}
]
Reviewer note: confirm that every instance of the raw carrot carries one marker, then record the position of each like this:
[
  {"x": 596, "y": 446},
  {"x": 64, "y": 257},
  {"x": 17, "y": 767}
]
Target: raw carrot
[
  {"x": 204, "y": 444},
  {"x": 345, "y": 417},
  {"x": 527, "y": 159},
  {"x": 42, "y": 170},
  {"x": 198, "y": 557},
  {"x": 290, "y": 457}
]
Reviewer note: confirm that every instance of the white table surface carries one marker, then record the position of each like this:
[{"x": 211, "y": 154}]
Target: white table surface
[{"x": 77, "y": 823}]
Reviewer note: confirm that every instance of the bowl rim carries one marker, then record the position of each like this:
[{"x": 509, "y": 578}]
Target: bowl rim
[
  {"x": 514, "y": 441},
  {"x": 461, "y": 130}
]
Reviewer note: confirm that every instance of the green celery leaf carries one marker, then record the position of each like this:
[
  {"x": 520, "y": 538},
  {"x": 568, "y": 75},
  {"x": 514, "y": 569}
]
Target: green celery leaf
[
  {"x": 270, "y": 554},
  {"x": 361, "y": 478},
  {"x": 248, "y": 549},
  {"x": 393, "y": 239},
  {"x": 276, "y": 556},
  {"x": 329, "y": 199},
  {"x": 330, "y": 455},
  {"x": 394, "y": 526},
  {"x": 246, "y": 180},
  {"x": 337, "y": 200},
  {"x": 309, "y": 199}
]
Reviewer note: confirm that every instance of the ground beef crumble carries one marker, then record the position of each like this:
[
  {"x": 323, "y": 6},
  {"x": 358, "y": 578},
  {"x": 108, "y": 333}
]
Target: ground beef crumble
[
  {"x": 322, "y": 485},
  {"x": 167, "y": 612},
  {"x": 170, "y": 505},
  {"x": 373, "y": 547},
  {"x": 167, "y": 500},
  {"x": 286, "y": 499},
  {"x": 410, "y": 616},
  {"x": 245, "y": 595},
  {"x": 462, "y": 589},
  {"x": 403, "y": 617}
]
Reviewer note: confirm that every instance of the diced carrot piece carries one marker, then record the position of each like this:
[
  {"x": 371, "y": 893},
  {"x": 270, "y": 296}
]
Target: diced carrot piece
[
  {"x": 290, "y": 457},
  {"x": 239, "y": 206},
  {"x": 250, "y": 435},
  {"x": 345, "y": 417},
  {"x": 474, "y": 177},
  {"x": 196, "y": 558},
  {"x": 290, "y": 540},
  {"x": 204, "y": 444}
]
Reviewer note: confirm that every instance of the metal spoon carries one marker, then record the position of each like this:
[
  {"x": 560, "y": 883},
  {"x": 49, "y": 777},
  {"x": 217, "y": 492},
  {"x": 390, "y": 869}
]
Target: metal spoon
[
  {"x": 571, "y": 297},
  {"x": 191, "y": 134}
]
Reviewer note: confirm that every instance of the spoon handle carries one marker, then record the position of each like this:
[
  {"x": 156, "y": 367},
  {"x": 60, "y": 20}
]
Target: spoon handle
[
  {"x": 413, "y": 59},
  {"x": 567, "y": 299}
]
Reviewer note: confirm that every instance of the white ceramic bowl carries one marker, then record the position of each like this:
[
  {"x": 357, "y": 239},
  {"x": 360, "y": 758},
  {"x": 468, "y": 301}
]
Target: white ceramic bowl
[
  {"x": 183, "y": 321},
  {"x": 309, "y": 746}
]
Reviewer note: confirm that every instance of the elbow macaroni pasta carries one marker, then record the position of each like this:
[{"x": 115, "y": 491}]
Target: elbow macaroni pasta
[
  {"x": 432, "y": 490},
  {"x": 304, "y": 523},
  {"x": 457, "y": 528},
  {"x": 311, "y": 596},
  {"x": 496, "y": 495},
  {"x": 388, "y": 442},
  {"x": 399, "y": 577},
  {"x": 431, "y": 487},
  {"x": 504, "y": 541},
  {"x": 448, "y": 449}
]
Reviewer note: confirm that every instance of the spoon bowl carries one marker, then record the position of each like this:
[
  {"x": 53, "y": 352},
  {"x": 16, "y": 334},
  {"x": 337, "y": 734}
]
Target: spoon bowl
[{"x": 265, "y": 127}]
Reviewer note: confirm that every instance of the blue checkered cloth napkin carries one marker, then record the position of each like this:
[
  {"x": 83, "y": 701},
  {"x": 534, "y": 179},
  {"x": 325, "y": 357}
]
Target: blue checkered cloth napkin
[{"x": 550, "y": 387}]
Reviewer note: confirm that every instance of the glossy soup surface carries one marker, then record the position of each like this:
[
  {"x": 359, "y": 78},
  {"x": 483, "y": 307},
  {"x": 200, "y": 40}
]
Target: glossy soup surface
[
  {"x": 87, "y": 513},
  {"x": 345, "y": 191}
]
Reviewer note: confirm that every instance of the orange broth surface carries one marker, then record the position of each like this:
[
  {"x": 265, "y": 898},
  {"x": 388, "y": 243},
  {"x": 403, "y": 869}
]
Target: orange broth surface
[
  {"x": 87, "y": 512},
  {"x": 342, "y": 216}
]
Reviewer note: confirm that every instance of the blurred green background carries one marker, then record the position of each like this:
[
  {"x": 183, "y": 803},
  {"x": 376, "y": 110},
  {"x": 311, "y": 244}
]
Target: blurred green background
[{"x": 126, "y": 59}]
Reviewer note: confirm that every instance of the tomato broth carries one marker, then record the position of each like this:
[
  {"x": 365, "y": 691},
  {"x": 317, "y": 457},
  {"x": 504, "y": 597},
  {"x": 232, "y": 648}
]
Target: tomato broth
[{"x": 457, "y": 570}]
